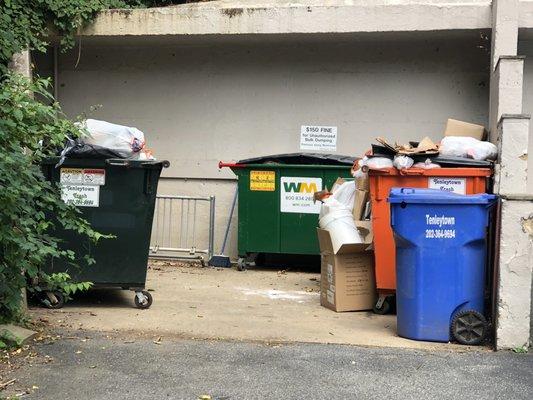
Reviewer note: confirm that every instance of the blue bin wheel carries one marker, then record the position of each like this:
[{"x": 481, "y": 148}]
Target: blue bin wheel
[{"x": 469, "y": 327}]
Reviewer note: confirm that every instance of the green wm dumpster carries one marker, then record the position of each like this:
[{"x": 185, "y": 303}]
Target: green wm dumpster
[
  {"x": 276, "y": 211},
  {"x": 117, "y": 197}
]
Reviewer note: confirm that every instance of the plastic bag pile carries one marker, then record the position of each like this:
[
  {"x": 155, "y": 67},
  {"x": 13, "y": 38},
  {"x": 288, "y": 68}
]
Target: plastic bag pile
[
  {"x": 467, "y": 147},
  {"x": 103, "y": 139},
  {"x": 450, "y": 146}
]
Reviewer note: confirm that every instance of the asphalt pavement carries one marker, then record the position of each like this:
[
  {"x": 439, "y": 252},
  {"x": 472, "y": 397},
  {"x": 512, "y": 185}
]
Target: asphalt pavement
[{"x": 100, "y": 367}]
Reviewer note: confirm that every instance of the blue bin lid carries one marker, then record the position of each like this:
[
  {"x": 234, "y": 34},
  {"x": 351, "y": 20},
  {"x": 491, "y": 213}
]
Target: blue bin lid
[{"x": 436, "y": 196}]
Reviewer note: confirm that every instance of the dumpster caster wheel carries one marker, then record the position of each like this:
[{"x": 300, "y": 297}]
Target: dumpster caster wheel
[
  {"x": 241, "y": 264},
  {"x": 383, "y": 305},
  {"x": 143, "y": 300},
  {"x": 469, "y": 327},
  {"x": 53, "y": 300}
]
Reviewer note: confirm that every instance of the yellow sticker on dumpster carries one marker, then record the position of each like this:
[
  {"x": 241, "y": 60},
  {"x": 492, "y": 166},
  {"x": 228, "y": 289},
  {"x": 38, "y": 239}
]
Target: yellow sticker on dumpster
[{"x": 263, "y": 181}]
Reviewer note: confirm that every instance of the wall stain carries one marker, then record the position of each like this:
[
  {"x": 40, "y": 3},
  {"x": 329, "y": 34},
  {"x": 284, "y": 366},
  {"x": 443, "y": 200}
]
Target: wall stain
[
  {"x": 121, "y": 11},
  {"x": 232, "y": 12}
]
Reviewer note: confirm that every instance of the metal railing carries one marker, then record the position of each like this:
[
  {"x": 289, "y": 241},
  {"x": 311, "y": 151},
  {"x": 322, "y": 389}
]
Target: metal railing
[{"x": 179, "y": 223}]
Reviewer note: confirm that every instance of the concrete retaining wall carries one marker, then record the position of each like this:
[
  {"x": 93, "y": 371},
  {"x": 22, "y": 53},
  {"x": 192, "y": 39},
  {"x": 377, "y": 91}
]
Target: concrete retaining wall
[{"x": 201, "y": 100}]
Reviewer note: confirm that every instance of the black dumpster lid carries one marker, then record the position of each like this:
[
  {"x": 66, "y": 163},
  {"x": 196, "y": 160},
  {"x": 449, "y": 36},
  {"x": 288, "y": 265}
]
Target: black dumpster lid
[
  {"x": 454, "y": 161},
  {"x": 302, "y": 159},
  {"x": 115, "y": 162}
]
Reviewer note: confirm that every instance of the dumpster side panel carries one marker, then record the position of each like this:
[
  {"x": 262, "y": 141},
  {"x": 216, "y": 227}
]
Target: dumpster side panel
[
  {"x": 280, "y": 218},
  {"x": 259, "y": 228}
]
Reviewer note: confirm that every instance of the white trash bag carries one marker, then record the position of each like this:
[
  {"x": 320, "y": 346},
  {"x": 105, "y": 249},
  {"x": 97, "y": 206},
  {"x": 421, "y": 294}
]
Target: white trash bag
[
  {"x": 345, "y": 194},
  {"x": 357, "y": 169},
  {"x": 379, "y": 163},
  {"x": 403, "y": 162},
  {"x": 426, "y": 164},
  {"x": 127, "y": 141},
  {"x": 467, "y": 147}
]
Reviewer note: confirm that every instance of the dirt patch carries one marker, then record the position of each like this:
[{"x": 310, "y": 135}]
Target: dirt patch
[{"x": 25, "y": 357}]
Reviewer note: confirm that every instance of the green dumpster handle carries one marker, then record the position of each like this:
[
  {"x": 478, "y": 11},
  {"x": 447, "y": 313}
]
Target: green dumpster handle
[{"x": 285, "y": 166}]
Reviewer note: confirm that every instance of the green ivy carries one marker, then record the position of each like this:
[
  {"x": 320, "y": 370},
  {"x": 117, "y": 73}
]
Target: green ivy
[
  {"x": 28, "y": 23},
  {"x": 31, "y": 130}
]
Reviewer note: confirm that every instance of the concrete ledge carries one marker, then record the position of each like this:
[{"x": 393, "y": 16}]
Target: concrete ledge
[
  {"x": 21, "y": 335},
  {"x": 281, "y": 17},
  {"x": 511, "y": 58}
]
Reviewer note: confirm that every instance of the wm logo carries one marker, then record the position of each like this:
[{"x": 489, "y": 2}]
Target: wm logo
[{"x": 300, "y": 187}]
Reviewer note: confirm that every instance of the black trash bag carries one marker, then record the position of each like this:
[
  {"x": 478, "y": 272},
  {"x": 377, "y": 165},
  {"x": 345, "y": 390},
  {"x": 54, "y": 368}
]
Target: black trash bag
[{"x": 78, "y": 149}]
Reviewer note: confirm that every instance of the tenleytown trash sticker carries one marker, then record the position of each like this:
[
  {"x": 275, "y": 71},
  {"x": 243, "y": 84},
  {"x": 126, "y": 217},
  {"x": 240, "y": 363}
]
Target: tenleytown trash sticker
[
  {"x": 440, "y": 227},
  {"x": 318, "y": 138},
  {"x": 447, "y": 184},
  {"x": 297, "y": 194},
  {"x": 81, "y": 195},
  {"x": 81, "y": 187}
]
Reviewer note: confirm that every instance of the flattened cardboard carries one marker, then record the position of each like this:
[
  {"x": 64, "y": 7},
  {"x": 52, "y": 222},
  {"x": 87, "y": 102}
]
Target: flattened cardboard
[
  {"x": 359, "y": 204},
  {"x": 363, "y": 183},
  {"x": 347, "y": 275},
  {"x": 425, "y": 146},
  {"x": 460, "y": 128}
]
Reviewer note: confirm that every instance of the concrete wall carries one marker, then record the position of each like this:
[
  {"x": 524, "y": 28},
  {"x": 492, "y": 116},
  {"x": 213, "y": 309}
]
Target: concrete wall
[
  {"x": 525, "y": 48},
  {"x": 203, "y": 100}
]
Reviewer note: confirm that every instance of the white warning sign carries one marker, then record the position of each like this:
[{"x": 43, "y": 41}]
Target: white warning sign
[
  {"x": 318, "y": 138},
  {"x": 82, "y": 176}
]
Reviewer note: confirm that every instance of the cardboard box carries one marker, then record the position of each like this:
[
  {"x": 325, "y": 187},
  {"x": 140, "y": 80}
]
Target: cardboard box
[
  {"x": 460, "y": 128},
  {"x": 347, "y": 280}
]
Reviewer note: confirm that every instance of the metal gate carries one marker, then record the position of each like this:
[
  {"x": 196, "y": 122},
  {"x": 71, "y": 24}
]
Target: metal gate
[{"x": 179, "y": 228}]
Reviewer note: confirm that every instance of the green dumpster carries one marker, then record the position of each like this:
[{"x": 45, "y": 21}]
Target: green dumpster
[
  {"x": 117, "y": 197},
  {"x": 276, "y": 211}
]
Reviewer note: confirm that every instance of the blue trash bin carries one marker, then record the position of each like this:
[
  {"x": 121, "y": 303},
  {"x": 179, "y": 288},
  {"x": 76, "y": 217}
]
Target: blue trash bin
[{"x": 440, "y": 263}]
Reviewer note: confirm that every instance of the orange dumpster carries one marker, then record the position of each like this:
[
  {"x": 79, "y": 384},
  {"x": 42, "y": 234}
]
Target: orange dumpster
[{"x": 458, "y": 180}]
